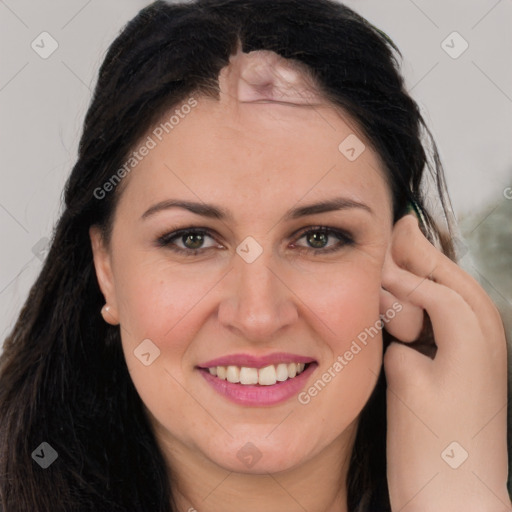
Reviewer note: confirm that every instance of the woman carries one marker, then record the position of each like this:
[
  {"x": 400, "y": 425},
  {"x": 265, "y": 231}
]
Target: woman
[{"x": 237, "y": 309}]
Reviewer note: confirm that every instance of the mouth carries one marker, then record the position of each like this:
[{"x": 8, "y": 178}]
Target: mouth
[{"x": 251, "y": 381}]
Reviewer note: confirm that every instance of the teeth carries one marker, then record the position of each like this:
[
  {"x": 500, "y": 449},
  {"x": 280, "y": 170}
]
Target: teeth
[
  {"x": 267, "y": 376},
  {"x": 221, "y": 372},
  {"x": 248, "y": 375},
  {"x": 282, "y": 372},
  {"x": 233, "y": 374}
]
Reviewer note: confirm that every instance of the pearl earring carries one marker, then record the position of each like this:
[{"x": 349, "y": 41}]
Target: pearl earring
[{"x": 108, "y": 316}]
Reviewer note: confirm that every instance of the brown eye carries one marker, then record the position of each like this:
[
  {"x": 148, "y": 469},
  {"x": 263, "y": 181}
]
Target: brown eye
[
  {"x": 193, "y": 240},
  {"x": 318, "y": 239},
  {"x": 190, "y": 241},
  {"x": 186, "y": 241}
]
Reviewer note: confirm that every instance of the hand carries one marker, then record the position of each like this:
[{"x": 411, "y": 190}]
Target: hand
[{"x": 454, "y": 405}]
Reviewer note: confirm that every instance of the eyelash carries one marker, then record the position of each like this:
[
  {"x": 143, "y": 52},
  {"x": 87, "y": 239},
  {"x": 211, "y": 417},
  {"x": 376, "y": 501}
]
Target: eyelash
[{"x": 167, "y": 239}]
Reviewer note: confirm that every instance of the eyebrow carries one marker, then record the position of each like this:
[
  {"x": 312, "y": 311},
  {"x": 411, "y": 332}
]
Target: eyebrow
[{"x": 217, "y": 212}]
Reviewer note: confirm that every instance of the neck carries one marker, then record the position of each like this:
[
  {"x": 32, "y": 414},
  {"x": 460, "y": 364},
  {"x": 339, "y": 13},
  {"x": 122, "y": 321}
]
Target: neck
[{"x": 318, "y": 484}]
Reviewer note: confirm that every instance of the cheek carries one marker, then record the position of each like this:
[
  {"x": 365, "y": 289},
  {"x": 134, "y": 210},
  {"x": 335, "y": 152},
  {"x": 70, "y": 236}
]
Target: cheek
[
  {"x": 162, "y": 304},
  {"x": 347, "y": 303},
  {"x": 345, "y": 296}
]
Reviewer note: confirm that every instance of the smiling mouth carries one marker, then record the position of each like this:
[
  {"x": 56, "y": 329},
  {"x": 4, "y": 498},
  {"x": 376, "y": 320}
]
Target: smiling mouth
[{"x": 266, "y": 376}]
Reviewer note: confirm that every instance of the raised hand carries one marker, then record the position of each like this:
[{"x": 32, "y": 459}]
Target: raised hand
[{"x": 447, "y": 415}]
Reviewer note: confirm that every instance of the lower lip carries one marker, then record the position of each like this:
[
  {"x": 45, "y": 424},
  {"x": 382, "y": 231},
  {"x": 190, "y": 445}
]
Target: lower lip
[{"x": 257, "y": 395}]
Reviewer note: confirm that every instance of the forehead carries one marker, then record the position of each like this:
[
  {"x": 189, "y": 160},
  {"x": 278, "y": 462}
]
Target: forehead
[
  {"x": 260, "y": 139},
  {"x": 264, "y": 137}
]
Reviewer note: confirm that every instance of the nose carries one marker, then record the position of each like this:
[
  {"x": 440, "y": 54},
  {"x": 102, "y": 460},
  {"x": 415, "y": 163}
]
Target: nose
[{"x": 259, "y": 304}]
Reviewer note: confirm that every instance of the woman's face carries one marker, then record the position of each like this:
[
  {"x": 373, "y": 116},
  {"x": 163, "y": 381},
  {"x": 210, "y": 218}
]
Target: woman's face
[{"x": 250, "y": 291}]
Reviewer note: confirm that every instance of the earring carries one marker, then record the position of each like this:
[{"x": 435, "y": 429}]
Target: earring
[{"x": 108, "y": 316}]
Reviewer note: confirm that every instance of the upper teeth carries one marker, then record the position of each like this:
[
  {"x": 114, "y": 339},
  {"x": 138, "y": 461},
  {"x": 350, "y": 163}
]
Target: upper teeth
[{"x": 264, "y": 376}]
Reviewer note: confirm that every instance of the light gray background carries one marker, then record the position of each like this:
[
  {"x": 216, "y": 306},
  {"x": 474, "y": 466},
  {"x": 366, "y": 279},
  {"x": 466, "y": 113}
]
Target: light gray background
[{"x": 467, "y": 102}]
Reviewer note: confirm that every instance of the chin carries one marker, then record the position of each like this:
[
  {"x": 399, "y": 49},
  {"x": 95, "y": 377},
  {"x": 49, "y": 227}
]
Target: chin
[
  {"x": 257, "y": 458},
  {"x": 263, "y": 466}
]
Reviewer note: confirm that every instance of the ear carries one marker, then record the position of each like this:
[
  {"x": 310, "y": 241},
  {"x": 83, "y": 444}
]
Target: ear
[
  {"x": 103, "y": 267},
  {"x": 402, "y": 319}
]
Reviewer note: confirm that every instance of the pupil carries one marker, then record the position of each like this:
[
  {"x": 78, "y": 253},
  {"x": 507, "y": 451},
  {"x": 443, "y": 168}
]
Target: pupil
[
  {"x": 317, "y": 239},
  {"x": 198, "y": 242}
]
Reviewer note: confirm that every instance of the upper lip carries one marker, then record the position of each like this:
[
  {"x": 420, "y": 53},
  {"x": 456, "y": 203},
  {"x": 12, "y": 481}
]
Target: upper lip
[{"x": 252, "y": 361}]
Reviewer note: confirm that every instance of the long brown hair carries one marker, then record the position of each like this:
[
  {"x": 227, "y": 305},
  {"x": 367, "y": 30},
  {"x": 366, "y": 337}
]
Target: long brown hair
[{"x": 63, "y": 377}]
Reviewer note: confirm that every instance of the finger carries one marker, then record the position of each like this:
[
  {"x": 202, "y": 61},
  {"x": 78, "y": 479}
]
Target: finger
[
  {"x": 454, "y": 323},
  {"x": 406, "y": 323},
  {"x": 412, "y": 251},
  {"x": 404, "y": 365}
]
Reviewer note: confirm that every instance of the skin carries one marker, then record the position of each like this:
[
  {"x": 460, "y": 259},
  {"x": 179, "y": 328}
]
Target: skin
[
  {"x": 459, "y": 397},
  {"x": 258, "y": 160}
]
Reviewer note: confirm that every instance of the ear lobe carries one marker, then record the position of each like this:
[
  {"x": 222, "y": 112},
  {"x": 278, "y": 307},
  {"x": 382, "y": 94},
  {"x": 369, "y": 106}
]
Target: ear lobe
[
  {"x": 402, "y": 319},
  {"x": 102, "y": 265}
]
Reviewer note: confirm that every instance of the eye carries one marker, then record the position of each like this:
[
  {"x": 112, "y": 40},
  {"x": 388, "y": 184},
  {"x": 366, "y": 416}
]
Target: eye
[
  {"x": 192, "y": 240},
  {"x": 318, "y": 238}
]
